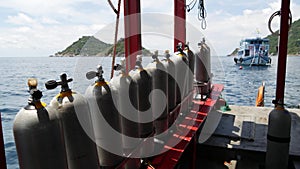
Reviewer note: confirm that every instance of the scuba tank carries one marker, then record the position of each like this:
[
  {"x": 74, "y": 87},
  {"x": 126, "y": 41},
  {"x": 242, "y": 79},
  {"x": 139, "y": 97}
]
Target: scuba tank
[
  {"x": 190, "y": 73},
  {"x": 120, "y": 88},
  {"x": 37, "y": 134},
  {"x": 191, "y": 58},
  {"x": 181, "y": 66},
  {"x": 170, "y": 68},
  {"x": 139, "y": 93},
  {"x": 159, "y": 103},
  {"x": 106, "y": 120},
  {"x": 203, "y": 68},
  {"x": 73, "y": 112}
]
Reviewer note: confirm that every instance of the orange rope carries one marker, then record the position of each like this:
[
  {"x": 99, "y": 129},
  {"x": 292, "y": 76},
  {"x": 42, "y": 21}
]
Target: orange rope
[{"x": 116, "y": 39}]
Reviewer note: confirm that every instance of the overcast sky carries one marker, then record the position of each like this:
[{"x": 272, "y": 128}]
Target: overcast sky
[{"x": 41, "y": 28}]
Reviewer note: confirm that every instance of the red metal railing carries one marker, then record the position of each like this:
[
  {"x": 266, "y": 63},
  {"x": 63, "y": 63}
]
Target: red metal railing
[
  {"x": 282, "y": 53},
  {"x": 2, "y": 149}
]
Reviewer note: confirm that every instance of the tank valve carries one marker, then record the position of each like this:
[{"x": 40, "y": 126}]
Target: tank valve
[
  {"x": 65, "y": 90},
  {"x": 167, "y": 54},
  {"x": 155, "y": 56},
  {"x": 138, "y": 63},
  {"x": 99, "y": 73},
  {"x": 36, "y": 94},
  {"x": 121, "y": 67},
  {"x": 179, "y": 47}
]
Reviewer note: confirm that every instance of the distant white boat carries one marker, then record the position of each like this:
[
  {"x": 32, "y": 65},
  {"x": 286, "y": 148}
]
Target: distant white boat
[{"x": 253, "y": 52}]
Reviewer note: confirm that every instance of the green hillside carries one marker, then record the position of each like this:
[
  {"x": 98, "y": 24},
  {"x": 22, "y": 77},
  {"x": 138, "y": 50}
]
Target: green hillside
[
  {"x": 85, "y": 46},
  {"x": 121, "y": 50},
  {"x": 91, "y": 46},
  {"x": 294, "y": 39}
]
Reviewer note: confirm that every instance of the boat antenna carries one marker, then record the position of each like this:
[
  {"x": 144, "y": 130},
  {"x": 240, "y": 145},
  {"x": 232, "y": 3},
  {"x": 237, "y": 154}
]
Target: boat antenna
[{"x": 117, "y": 11}]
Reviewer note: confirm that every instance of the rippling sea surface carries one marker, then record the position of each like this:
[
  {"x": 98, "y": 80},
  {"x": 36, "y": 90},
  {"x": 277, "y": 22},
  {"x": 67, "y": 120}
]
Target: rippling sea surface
[{"x": 241, "y": 85}]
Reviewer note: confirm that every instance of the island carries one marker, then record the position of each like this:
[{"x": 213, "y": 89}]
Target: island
[{"x": 91, "y": 46}]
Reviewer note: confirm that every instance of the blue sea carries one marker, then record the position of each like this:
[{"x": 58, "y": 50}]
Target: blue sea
[{"x": 241, "y": 85}]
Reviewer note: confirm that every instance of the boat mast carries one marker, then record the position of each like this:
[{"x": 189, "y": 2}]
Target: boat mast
[
  {"x": 282, "y": 53},
  {"x": 179, "y": 22},
  {"x": 133, "y": 39}
]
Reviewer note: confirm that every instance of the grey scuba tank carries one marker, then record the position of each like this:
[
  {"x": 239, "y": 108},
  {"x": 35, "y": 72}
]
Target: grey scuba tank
[
  {"x": 190, "y": 75},
  {"x": 191, "y": 60},
  {"x": 120, "y": 88},
  {"x": 37, "y": 134},
  {"x": 140, "y": 90},
  {"x": 73, "y": 113},
  {"x": 180, "y": 61},
  {"x": 159, "y": 95},
  {"x": 202, "y": 66},
  {"x": 170, "y": 68},
  {"x": 106, "y": 120}
]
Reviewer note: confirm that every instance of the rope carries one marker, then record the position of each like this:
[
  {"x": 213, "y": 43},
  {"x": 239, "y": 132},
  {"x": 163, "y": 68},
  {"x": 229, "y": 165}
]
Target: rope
[
  {"x": 112, "y": 6},
  {"x": 202, "y": 14},
  {"x": 272, "y": 17},
  {"x": 116, "y": 39}
]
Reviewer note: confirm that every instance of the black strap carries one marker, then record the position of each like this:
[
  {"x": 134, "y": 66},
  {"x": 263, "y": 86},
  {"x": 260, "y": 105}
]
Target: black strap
[{"x": 279, "y": 139}]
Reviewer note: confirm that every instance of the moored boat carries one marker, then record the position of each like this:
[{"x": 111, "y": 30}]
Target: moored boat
[{"x": 253, "y": 52}]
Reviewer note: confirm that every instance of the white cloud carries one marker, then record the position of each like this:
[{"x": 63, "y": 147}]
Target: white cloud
[
  {"x": 225, "y": 30},
  {"x": 46, "y": 20},
  {"x": 45, "y": 27},
  {"x": 20, "y": 19}
]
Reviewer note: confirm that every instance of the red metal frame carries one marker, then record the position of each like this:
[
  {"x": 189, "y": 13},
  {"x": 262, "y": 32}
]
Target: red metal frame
[
  {"x": 192, "y": 122},
  {"x": 282, "y": 54},
  {"x": 179, "y": 22},
  {"x": 2, "y": 149},
  {"x": 133, "y": 39}
]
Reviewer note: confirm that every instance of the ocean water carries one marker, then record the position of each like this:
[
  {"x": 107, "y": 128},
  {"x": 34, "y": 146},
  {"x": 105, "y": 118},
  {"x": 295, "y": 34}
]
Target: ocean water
[{"x": 241, "y": 85}]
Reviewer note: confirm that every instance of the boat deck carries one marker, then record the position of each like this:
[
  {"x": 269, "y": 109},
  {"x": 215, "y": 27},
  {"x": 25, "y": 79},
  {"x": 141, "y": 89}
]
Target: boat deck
[{"x": 240, "y": 139}]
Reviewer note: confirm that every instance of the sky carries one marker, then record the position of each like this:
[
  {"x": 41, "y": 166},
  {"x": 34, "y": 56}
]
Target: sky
[{"x": 35, "y": 28}]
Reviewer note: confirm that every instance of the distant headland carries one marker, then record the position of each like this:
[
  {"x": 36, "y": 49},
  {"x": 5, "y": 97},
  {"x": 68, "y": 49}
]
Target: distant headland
[{"x": 91, "y": 46}]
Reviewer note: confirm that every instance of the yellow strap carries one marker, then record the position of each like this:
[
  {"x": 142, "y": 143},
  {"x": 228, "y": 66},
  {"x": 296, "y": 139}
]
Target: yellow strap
[
  {"x": 279, "y": 107},
  {"x": 102, "y": 83},
  {"x": 39, "y": 105},
  {"x": 125, "y": 74},
  {"x": 65, "y": 94}
]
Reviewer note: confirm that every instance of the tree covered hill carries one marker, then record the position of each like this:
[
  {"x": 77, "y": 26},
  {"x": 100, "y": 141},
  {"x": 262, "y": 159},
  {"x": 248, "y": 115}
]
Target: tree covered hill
[
  {"x": 91, "y": 46},
  {"x": 294, "y": 39}
]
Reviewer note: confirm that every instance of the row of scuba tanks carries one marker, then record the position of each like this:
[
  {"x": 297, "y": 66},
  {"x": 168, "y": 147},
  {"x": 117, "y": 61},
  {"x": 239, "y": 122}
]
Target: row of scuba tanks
[{"x": 108, "y": 123}]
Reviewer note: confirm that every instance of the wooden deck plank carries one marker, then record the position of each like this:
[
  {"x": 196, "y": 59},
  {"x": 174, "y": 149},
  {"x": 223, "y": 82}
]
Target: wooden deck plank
[{"x": 245, "y": 128}]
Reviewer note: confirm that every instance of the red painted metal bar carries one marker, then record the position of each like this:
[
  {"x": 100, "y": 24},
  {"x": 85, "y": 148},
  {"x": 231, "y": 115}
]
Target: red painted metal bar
[
  {"x": 2, "y": 149},
  {"x": 179, "y": 22},
  {"x": 282, "y": 54},
  {"x": 133, "y": 39},
  {"x": 192, "y": 122}
]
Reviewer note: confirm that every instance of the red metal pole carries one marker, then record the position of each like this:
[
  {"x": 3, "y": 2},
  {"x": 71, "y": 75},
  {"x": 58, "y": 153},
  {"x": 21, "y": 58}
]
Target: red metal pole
[
  {"x": 133, "y": 39},
  {"x": 179, "y": 22},
  {"x": 2, "y": 149},
  {"x": 282, "y": 54}
]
